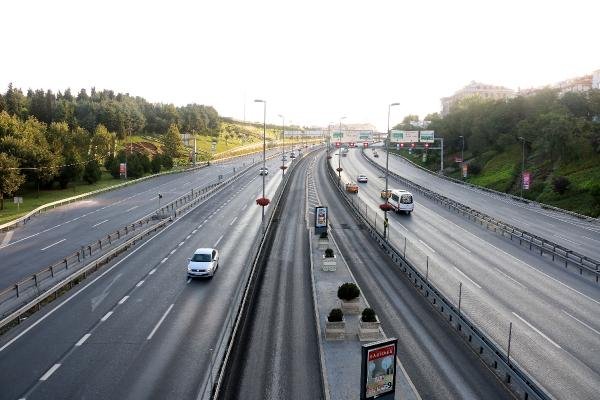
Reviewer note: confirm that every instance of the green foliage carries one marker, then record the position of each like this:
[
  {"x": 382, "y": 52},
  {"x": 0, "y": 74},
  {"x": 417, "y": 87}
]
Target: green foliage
[
  {"x": 560, "y": 184},
  {"x": 156, "y": 164},
  {"x": 10, "y": 177},
  {"x": 167, "y": 162},
  {"x": 92, "y": 173},
  {"x": 368, "y": 315},
  {"x": 348, "y": 291},
  {"x": 335, "y": 315},
  {"x": 71, "y": 170},
  {"x": 172, "y": 142}
]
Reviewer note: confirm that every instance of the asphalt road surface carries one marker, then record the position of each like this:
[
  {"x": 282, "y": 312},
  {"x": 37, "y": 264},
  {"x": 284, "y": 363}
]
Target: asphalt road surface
[{"x": 556, "y": 323}]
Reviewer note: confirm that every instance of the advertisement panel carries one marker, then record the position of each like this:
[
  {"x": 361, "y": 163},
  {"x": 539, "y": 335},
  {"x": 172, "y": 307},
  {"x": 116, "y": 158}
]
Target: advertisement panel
[
  {"x": 321, "y": 219},
  {"x": 465, "y": 169},
  {"x": 123, "y": 170},
  {"x": 411, "y": 136},
  {"x": 526, "y": 180},
  {"x": 378, "y": 369},
  {"x": 426, "y": 136}
]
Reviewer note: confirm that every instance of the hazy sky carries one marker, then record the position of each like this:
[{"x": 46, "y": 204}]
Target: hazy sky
[{"x": 313, "y": 61}]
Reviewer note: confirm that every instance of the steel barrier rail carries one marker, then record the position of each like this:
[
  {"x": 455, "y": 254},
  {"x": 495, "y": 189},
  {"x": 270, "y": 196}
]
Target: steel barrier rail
[
  {"x": 542, "y": 245},
  {"x": 503, "y": 194},
  {"x": 488, "y": 350},
  {"x": 81, "y": 273}
]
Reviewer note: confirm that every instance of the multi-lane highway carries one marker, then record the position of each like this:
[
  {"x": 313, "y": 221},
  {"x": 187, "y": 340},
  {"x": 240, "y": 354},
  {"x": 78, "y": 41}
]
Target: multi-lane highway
[
  {"x": 48, "y": 237},
  {"x": 556, "y": 326},
  {"x": 139, "y": 328}
]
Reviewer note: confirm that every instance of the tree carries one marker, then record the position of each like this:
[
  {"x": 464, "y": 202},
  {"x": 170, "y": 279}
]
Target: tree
[
  {"x": 102, "y": 142},
  {"x": 561, "y": 184},
  {"x": 10, "y": 177},
  {"x": 92, "y": 173},
  {"x": 172, "y": 141},
  {"x": 167, "y": 161},
  {"x": 156, "y": 164},
  {"x": 71, "y": 170}
]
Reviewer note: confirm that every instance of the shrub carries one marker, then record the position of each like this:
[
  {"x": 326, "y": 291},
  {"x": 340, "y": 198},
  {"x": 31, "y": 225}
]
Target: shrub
[
  {"x": 328, "y": 253},
  {"x": 560, "y": 184},
  {"x": 335, "y": 315},
  {"x": 368, "y": 315},
  {"x": 474, "y": 168},
  {"x": 323, "y": 235},
  {"x": 348, "y": 291},
  {"x": 91, "y": 172},
  {"x": 156, "y": 164},
  {"x": 167, "y": 161}
]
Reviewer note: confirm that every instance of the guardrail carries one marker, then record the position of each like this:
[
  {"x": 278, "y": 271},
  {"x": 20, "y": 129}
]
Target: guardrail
[
  {"x": 568, "y": 256},
  {"x": 503, "y": 194},
  {"x": 509, "y": 371}
]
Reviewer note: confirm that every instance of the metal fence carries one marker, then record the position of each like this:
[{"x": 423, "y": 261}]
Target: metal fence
[
  {"x": 587, "y": 266},
  {"x": 486, "y": 330}
]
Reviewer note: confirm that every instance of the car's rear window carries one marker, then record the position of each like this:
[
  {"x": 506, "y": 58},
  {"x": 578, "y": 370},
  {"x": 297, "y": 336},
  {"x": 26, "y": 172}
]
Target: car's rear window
[{"x": 201, "y": 258}]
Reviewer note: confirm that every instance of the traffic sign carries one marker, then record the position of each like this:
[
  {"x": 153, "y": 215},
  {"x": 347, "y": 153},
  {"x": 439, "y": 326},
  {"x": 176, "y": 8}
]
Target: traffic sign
[{"x": 426, "y": 136}]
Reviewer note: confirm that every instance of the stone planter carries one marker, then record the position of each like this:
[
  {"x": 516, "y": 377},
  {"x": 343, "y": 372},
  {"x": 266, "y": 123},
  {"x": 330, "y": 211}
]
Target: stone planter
[
  {"x": 323, "y": 244},
  {"x": 335, "y": 330},
  {"x": 369, "y": 331},
  {"x": 329, "y": 263},
  {"x": 351, "y": 307}
]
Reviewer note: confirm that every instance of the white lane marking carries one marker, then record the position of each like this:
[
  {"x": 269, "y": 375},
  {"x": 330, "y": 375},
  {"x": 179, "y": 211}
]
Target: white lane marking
[
  {"x": 99, "y": 223},
  {"x": 173, "y": 251},
  {"x": 462, "y": 247},
  {"x": 402, "y": 226},
  {"x": 537, "y": 330},
  {"x": 140, "y": 283},
  {"x": 123, "y": 300},
  {"x": 514, "y": 258},
  {"x": 53, "y": 244},
  {"x": 189, "y": 280},
  {"x": 132, "y": 208},
  {"x": 509, "y": 277},
  {"x": 582, "y": 323},
  {"x": 194, "y": 231},
  {"x": 204, "y": 221},
  {"x": 106, "y": 316},
  {"x": 164, "y": 259},
  {"x": 49, "y": 372},
  {"x": 233, "y": 221},
  {"x": 152, "y": 272},
  {"x": 160, "y": 321},
  {"x": 425, "y": 244},
  {"x": 465, "y": 275},
  {"x": 83, "y": 339},
  {"x": 565, "y": 239},
  {"x": 154, "y": 198},
  {"x": 587, "y": 237},
  {"x": 245, "y": 206},
  {"x": 188, "y": 236},
  {"x": 7, "y": 238},
  {"x": 218, "y": 241},
  {"x": 180, "y": 244}
]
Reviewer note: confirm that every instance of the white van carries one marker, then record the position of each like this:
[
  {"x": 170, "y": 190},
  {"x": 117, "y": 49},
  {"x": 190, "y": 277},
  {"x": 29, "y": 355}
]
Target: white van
[{"x": 402, "y": 200}]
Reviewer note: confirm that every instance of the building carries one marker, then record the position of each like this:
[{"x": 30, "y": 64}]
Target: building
[
  {"x": 596, "y": 79},
  {"x": 476, "y": 89},
  {"x": 575, "y": 85}
]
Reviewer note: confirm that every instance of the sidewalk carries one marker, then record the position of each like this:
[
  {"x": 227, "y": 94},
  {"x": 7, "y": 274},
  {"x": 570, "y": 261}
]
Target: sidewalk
[{"x": 342, "y": 358}]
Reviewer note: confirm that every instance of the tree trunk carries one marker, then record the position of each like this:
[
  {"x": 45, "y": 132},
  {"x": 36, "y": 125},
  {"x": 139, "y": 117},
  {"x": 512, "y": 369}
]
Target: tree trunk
[{"x": 1, "y": 201}]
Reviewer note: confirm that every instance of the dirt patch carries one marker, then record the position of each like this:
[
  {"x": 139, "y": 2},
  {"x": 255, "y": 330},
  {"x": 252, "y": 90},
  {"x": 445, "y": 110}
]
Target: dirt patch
[{"x": 145, "y": 147}]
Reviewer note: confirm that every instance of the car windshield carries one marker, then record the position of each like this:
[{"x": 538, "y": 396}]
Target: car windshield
[{"x": 201, "y": 258}]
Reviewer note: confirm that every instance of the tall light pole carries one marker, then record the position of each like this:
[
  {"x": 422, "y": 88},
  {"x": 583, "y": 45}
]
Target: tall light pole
[
  {"x": 462, "y": 156},
  {"x": 264, "y": 149},
  {"x": 387, "y": 160},
  {"x": 282, "y": 144},
  {"x": 522, "y": 163},
  {"x": 329, "y": 138},
  {"x": 339, "y": 152}
]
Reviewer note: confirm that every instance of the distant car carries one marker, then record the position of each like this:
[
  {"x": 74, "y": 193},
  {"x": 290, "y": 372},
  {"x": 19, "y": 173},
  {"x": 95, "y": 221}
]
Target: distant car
[
  {"x": 351, "y": 187},
  {"x": 292, "y": 155},
  {"x": 284, "y": 158},
  {"x": 362, "y": 179},
  {"x": 203, "y": 263},
  {"x": 263, "y": 171},
  {"x": 376, "y": 155}
]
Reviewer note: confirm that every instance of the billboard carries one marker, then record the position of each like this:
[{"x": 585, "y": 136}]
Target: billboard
[
  {"x": 465, "y": 170},
  {"x": 526, "y": 180},
  {"x": 320, "y": 219},
  {"x": 378, "y": 369},
  {"x": 426, "y": 136}
]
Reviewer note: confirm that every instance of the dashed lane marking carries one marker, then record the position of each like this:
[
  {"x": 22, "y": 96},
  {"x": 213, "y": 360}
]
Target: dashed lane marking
[
  {"x": 83, "y": 339},
  {"x": 53, "y": 244},
  {"x": 537, "y": 331},
  {"x": 49, "y": 373}
]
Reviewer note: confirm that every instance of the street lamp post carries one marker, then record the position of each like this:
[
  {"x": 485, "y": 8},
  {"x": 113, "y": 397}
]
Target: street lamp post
[
  {"x": 282, "y": 144},
  {"x": 264, "y": 149},
  {"x": 522, "y": 162},
  {"x": 387, "y": 160},
  {"x": 339, "y": 153},
  {"x": 462, "y": 156}
]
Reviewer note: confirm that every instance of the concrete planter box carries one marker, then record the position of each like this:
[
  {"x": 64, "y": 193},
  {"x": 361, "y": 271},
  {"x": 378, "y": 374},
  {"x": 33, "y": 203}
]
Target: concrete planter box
[
  {"x": 329, "y": 263},
  {"x": 323, "y": 244},
  {"x": 369, "y": 331},
  {"x": 335, "y": 330},
  {"x": 351, "y": 307}
]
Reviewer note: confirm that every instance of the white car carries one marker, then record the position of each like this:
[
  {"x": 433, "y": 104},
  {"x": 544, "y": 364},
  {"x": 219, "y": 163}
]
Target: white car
[
  {"x": 203, "y": 263},
  {"x": 263, "y": 171},
  {"x": 362, "y": 179}
]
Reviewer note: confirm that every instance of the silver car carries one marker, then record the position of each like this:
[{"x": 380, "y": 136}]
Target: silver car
[{"x": 203, "y": 263}]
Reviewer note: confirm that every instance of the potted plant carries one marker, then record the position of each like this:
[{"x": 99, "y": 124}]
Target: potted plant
[
  {"x": 335, "y": 327},
  {"x": 329, "y": 260},
  {"x": 323, "y": 241},
  {"x": 348, "y": 294},
  {"x": 368, "y": 328}
]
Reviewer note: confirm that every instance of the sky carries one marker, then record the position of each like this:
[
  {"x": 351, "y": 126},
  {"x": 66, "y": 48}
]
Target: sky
[{"x": 312, "y": 61}]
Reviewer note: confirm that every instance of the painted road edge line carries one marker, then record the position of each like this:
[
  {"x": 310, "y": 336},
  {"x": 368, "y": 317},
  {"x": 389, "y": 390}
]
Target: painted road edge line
[{"x": 159, "y": 323}]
